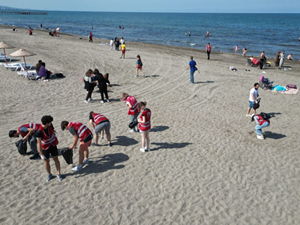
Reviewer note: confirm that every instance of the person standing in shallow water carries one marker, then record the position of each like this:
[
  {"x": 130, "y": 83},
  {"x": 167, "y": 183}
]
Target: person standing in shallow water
[{"x": 192, "y": 67}]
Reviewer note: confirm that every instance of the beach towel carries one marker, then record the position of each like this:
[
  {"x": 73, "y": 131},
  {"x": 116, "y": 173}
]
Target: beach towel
[{"x": 278, "y": 88}]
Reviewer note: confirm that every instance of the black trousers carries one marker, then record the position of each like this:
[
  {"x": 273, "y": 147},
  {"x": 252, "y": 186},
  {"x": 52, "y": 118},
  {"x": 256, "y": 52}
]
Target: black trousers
[
  {"x": 103, "y": 91},
  {"x": 208, "y": 54}
]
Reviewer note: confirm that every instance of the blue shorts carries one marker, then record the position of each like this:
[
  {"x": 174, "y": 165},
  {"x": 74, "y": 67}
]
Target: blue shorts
[{"x": 251, "y": 104}]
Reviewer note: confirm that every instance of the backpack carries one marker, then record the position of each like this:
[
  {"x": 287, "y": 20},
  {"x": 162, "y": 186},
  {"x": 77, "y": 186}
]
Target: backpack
[
  {"x": 291, "y": 86},
  {"x": 265, "y": 116},
  {"x": 22, "y": 146}
]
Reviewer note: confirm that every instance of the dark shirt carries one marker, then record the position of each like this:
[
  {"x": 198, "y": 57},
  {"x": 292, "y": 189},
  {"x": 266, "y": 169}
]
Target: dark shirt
[{"x": 101, "y": 80}]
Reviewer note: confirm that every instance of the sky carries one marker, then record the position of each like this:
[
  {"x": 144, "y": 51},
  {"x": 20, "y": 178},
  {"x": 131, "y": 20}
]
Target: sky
[{"x": 184, "y": 6}]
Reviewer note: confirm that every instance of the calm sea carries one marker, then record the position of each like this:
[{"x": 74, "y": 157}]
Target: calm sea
[{"x": 256, "y": 32}]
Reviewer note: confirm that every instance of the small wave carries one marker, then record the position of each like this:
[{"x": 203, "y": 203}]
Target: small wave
[{"x": 192, "y": 44}]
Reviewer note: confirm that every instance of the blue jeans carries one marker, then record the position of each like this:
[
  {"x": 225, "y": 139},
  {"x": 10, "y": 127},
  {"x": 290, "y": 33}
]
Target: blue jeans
[
  {"x": 259, "y": 127},
  {"x": 192, "y": 76}
]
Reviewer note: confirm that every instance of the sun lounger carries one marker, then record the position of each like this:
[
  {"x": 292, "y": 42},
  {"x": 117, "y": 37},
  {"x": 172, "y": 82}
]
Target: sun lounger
[
  {"x": 30, "y": 74},
  {"x": 17, "y": 66},
  {"x": 2, "y": 58}
]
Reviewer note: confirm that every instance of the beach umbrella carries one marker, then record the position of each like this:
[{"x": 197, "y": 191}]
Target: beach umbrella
[
  {"x": 22, "y": 53},
  {"x": 4, "y": 46}
]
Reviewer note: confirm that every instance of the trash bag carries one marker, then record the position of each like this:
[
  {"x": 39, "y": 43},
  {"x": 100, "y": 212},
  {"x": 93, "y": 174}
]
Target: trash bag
[
  {"x": 133, "y": 124},
  {"x": 67, "y": 154},
  {"x": 22, "y": 146}
]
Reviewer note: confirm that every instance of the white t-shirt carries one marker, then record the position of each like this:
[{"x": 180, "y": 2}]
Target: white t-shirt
[{"x": 255, "y": 92}]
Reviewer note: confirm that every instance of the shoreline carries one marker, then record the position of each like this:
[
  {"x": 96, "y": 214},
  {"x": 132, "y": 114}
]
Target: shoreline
[{"x": 135, "y": 43}]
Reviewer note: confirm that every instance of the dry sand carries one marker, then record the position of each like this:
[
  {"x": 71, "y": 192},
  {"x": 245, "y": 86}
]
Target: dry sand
[{"x": 206, "y": 167}]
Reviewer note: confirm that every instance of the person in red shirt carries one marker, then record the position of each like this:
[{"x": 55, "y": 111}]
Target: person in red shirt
[
  {"x": 28, "y": 131},
  {"x": 78, "y": 130},
  {"x": 100, "y": 123},
  {"x": 144, "y": 125},
  {"x": 208, "y": 50},
  {"x": 260, "y": 123},
  {"x": 47, "y": 144},
  {"x": 133, "y": 111}
]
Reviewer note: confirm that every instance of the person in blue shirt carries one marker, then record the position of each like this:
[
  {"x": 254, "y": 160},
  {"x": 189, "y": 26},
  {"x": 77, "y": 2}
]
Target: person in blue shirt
[{"x": 193, "y": 68}]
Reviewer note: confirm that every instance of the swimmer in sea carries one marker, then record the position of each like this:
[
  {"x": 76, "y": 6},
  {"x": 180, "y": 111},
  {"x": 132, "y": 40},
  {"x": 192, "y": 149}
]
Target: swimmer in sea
[{"x": 207, "y": 34}]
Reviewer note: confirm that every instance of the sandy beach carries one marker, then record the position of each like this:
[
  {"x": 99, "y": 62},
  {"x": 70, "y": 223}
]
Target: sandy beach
[{"x": 206, "y": 165}]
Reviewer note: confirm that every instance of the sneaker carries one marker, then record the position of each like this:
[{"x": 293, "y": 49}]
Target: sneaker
[
  {"x": 60, "y": 177},
  {"x": 142, "y": 149},
  {"x": 50, "y": 176},
  {"x": 85, "y": 101},
  {"x": 86, "y": 161},
  {"x": 35, "y": 156},
  {"x": 101, "y": 101},
  {"x": 261, "y": 137},
  {"x": 107, "y": 100},
  {"x": 109, "y": 144},
  {"x": 76, "y": 168},
  {"x": 148, "y": 149},
  {"x": 90, "y": 99}
]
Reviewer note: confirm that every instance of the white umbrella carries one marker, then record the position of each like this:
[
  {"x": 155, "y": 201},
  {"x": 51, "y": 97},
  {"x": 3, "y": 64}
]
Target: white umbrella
[
  {"x": 22, "y": 53},
  {"x": 4, "y": 46}
]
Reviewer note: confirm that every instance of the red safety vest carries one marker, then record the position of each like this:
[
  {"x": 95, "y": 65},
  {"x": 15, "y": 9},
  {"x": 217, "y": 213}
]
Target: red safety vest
[
  {"x": 261, "y": 120},
  {"x": 81, "y": 130},
  {"x": 147, "y": 125},
  {"x": 48, "y": 140},
  {"x": 34, "y": 126},
  {"x": 97, "y": 118},
  {"x": 134, "y": 105}
]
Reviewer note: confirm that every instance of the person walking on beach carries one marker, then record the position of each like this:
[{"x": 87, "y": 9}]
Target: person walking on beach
[
  {"x": 47, "y": 144},
  {"x": 208, "y": 50},
  {"x": 100, "y": 123},
  {"x": 144, "y": 126},
  {"x": 123, "y": 49},
  {"x": 139, "y": 66},
  {"x": 192, "y": 67},
  {"x": 260, "y": 123},
  {"x": 253, "y": 97},
  {"x": 281, "y": 59},
  {"x": 262, "y": 59},
  {"x": 117, "y": 43},
  {"x": 244, "y": 51},
  {"x": 277, "y": 58},
  {"x": 82, "y": 132},
  {"x": 89, "y": 85},
  {"x": 91, "y": 37},
  {"x": 27, "y": 132},
  {"x": 111, "y": 44},
  {"x": 102, "y": 84},
  {"x": 133, "y": 111}
]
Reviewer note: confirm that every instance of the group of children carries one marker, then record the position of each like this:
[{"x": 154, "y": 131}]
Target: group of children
[{"x": 43, "y": 140}]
